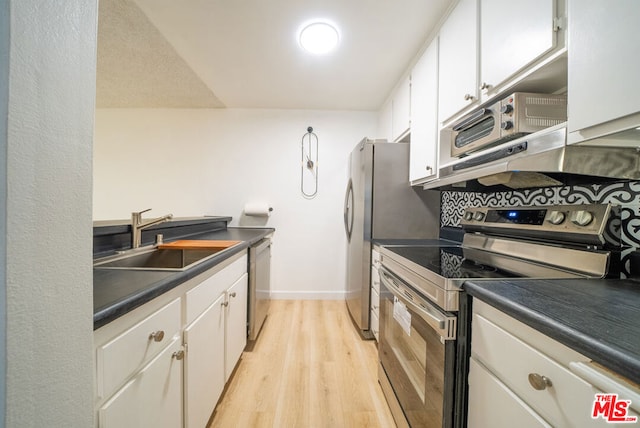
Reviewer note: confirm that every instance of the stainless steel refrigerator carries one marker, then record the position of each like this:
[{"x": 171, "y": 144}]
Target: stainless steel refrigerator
[{"x": 380, "y": 204}]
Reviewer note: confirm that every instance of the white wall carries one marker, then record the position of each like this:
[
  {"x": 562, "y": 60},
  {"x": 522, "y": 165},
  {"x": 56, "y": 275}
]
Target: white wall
[
  {"x": 4, "y": 103},
  {"x": 51, "y": 86},
  {"x": 198, "y": 162}
]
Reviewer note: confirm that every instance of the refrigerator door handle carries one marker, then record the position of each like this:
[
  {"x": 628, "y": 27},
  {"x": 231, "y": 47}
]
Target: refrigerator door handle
[{"x": 348, "y": 210}]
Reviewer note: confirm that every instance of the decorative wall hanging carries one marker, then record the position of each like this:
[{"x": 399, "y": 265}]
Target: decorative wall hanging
[{"x": 309, "y": 164}]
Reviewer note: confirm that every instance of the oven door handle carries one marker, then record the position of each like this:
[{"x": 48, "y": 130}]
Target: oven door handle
[
  {"x": 444, "y": 325},
  {"x": 471, "y": 120}
]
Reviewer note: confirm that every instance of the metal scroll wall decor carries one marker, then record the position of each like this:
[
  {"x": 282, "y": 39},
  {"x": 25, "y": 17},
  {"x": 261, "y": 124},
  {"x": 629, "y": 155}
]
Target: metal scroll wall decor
[{"x": 309, "y": 164}]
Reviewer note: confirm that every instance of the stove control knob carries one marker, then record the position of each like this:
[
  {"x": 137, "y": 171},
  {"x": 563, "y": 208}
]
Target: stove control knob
[
  {"x": 556, "y": 217},
  {"x": 506, "y": 109},
  {"x": 478, "y": 216},
  {"x": 581, "y": 218},
  {"x": 506, "y": 125},
  {"x": 468, "y": 215}
]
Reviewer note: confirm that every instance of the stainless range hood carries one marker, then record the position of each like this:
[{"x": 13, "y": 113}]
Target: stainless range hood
[{"x": 538, "y": 160}]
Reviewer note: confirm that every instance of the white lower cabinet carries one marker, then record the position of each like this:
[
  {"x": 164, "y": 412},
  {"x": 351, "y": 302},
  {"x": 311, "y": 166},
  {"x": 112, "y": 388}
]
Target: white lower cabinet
[
  {"x": 214, "y": 341},
  {"x": 204, "y": 366},
  {"x": 519, "y": 374},
  {"x": 235, "y": 324},
  {"x": 165, "y": 364},
  {"x": 152, "y": 398}
]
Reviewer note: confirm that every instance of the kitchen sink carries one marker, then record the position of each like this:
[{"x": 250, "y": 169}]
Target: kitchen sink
[{"x": 158, "y": 259}]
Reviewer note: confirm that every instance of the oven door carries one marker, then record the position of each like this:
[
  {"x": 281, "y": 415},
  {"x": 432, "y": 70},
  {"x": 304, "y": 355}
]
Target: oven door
[
  {"x": 475, "y": 131},
  {"x": 417, "y": 352}
]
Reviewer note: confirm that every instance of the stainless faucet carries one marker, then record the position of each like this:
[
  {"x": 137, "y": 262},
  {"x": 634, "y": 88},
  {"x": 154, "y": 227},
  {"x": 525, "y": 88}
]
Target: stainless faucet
[{"x": 137, "y": 225}]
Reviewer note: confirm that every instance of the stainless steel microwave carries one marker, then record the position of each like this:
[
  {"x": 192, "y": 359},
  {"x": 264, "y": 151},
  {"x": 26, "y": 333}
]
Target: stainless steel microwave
[{"x": 512, "y": 117}]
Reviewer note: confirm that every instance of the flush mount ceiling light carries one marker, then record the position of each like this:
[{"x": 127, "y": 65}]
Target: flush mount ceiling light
[{"x": 319, "y": 37}]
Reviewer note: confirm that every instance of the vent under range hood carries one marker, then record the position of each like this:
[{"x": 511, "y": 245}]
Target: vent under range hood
[{"x": 542, "y": 159}]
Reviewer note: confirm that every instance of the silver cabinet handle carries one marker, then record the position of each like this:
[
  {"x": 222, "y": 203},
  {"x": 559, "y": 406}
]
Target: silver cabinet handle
[
  {"x": 225, "y": 303},
  {"x": 539, "y": 382},
  {"x": 157, "y": 336},
  {"x": 233, "y": 294},
  {"x": 485, "y": 85},
  {"x": 178, "y": 355},
  {"x": 469, "y": 97},
  {"x": 428, "y": 168}
]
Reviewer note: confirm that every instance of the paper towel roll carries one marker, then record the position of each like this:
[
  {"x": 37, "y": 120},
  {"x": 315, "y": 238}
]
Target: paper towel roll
[{"x": 257, "y": 210}]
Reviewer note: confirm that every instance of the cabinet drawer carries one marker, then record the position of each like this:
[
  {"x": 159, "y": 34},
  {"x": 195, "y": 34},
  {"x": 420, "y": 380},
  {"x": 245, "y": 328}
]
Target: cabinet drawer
[
  {"x": 375, "y": 279},
  {"x": 492, "y": 404},
  {"x": 129, "y": 351},
  {"x": 566, "y": 402},
  {"x": 204, "y": 294},
  {"x": 375, "y": 302},
  {"x": 375, "y": 259},
  {"x": 375, "y": 324}
]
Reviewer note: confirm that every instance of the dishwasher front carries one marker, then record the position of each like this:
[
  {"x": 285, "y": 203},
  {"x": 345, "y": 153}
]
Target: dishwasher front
[{"x": 259, "y": 285}]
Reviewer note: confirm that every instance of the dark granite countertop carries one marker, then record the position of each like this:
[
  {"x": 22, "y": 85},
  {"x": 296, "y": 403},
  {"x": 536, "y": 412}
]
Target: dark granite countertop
[
  {"x": 598, "y": 318},
  {"x": 116, "y": 292}
]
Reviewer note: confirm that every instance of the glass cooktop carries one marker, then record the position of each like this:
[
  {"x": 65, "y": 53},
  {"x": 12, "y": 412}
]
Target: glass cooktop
[{"x": 448, "y": 262}]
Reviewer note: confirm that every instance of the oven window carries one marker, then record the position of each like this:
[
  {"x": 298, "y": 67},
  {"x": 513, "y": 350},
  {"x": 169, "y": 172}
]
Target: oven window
[
  {"x": 415, "y": 360},
  {"x": 476, "y": 132}
]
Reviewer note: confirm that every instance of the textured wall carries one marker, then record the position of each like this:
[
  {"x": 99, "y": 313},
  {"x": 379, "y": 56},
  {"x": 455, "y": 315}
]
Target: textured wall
[
  {"x": 49, "y": 377},
  {"x": 624, "y": 194},
  {"x": 4, "y": 101}
]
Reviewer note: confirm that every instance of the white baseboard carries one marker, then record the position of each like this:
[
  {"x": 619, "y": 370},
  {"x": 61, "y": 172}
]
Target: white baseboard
[{"x": 308, "y": 295}]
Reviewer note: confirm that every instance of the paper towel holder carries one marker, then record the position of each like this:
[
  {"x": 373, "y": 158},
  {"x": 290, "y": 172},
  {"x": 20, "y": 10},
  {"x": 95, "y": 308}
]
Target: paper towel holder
[
  {"x": 309, "y": 164},
  {"x": 257, "y": 210}
]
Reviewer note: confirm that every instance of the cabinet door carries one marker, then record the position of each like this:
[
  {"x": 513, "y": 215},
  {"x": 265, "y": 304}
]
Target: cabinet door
[
  {"x": 204, "y": 364},
  {"x": 458, "y": 60},
  {"x": 401, "y": 110},
  {"x": 604, "y": 62},
  {"x": 152, "y": 398},
  {"x": 513, "y": 34},
  {"x": 236, "y": 328},
  {"x": 493, "y": 404},
  {"x": 424, "y": 116}
]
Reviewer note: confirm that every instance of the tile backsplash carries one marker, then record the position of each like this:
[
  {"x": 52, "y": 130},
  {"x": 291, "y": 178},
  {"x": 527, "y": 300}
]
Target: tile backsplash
[{"x": 624, "y": 194}]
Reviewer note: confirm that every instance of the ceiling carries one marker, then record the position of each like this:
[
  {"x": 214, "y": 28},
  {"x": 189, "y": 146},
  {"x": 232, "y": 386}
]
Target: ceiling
[{"x": 244, "y": 53}]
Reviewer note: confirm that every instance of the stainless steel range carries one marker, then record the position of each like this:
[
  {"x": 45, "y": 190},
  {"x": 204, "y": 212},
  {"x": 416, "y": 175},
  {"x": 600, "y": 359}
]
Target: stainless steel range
[{"x": 423, "y": 346}]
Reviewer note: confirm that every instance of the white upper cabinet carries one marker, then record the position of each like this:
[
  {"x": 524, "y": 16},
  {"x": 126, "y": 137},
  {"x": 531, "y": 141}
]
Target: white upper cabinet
[
  {"x": 384, "y": 121},
  {"x": 604, "y": 67},
  {"x": 401, "y": 110},
  {"x": 424, "y": 116},
  {"x": 491, "y": 47},
  {"x": 458, "y": 62},
  {"x": 513, "y": 34}
]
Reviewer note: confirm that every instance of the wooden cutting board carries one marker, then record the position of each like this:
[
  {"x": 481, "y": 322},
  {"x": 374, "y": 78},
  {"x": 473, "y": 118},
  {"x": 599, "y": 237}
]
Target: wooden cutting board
[{"x": 186, "y": 244}]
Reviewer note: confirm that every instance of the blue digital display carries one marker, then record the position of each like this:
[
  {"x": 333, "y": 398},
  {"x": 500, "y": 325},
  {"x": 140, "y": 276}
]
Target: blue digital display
[{"x": 517, "y": 216}]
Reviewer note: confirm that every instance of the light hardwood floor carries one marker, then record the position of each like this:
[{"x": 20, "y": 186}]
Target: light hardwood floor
[{"x": 308, "y": 368}]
